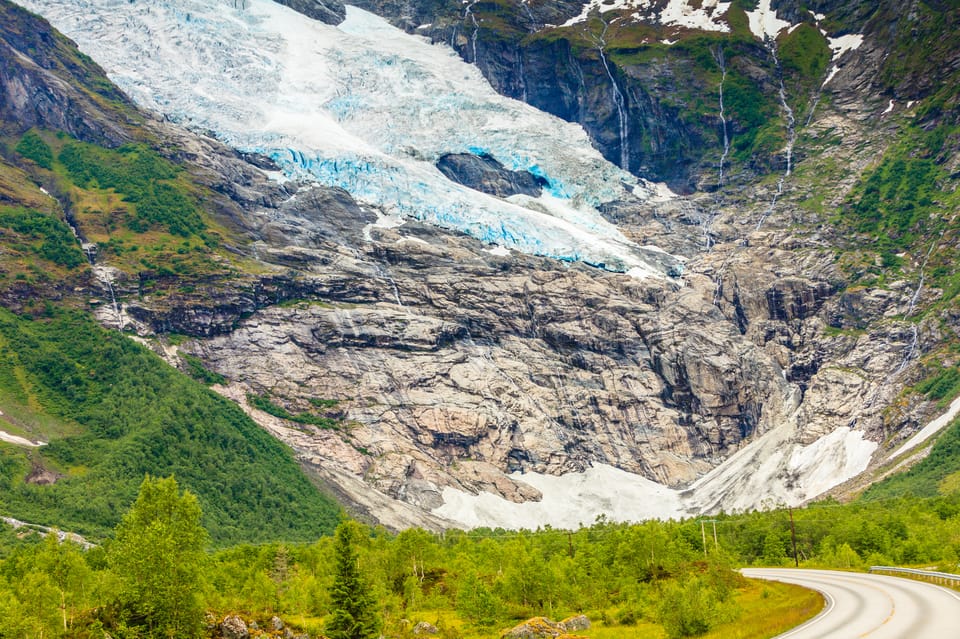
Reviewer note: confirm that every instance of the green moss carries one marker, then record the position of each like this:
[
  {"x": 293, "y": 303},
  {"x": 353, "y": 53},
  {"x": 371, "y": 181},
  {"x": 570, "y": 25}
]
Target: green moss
[
  {"x": 900, "y": 202},
  {"x": 924, "y": 479},
  {"x": 804, "y": 56},
  {"x": 941, "y": 384}
]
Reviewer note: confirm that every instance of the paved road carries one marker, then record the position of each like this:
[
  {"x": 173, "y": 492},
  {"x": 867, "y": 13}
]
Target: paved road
[{"x": 871, "y": 606}]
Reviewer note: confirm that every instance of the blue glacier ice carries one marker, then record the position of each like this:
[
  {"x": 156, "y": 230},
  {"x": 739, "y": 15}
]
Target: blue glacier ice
[{"x": 362, "y": 106}]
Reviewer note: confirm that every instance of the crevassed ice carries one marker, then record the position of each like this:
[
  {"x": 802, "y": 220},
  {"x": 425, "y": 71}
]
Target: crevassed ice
[{"x": 363, "y": 106}]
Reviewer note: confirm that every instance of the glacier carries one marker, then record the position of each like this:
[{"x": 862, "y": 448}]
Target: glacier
[{"x": 366, "y": 107}]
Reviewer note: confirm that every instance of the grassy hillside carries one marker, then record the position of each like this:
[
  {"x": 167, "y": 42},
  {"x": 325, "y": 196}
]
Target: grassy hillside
[
  {"x": 938, "y": 473},
  {"x": 113, "y": 411}
]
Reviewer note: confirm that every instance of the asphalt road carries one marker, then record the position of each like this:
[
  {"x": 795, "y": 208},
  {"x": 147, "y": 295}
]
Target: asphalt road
[{"x": 871, "y": 606}]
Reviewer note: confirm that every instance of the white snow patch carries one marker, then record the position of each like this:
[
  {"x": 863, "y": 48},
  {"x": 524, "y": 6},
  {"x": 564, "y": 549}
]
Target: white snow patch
[
  {"x": 362, "y": 106},
  {"x": 569, "y": 501},
  {"x": 45, "y": 192},
  {"x": 931, "y": 429},
  {"x": 499, "y": 251},
  {"x": 661, "y": 193},
  {"x": 910, "y": 103},
  {"x": 844, "y": 43},
  {"x": 889, "y": 108},
  {"x": 602, "y": 6},
  {"x": 277, "y": 176},
  {"x": 19, "y": 441},
  {"x": 817, "y": 16},
  {"x": 839, "y": 46},
  {"x": 382, "y": 222},
  {"x": 708, "y": 16},
  {"x": 833, "y": 72},
  {"x": 669, "y": 43},
  {"x": 776, "y": 470},
  {"x": 831, "y": 460},
  {"x": 764, "y": 22}
]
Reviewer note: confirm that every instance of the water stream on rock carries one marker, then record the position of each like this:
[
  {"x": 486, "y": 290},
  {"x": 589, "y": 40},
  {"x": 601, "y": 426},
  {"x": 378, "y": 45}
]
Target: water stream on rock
[
  {"x": 618, "y": 100},
  {"x": 791, "y": 130},
  {"x": 468, "y": 13},
  {"x": 722, "y": 63}
]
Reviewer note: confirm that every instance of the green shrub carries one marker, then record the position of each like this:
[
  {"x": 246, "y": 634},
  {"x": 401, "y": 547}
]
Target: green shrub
[
  {"x": 47, "y": 236},
  {"x": 32, "y": 147},
  {"x": 143, "y": 178},
  {"x": 264, "y": 403},
  {"x": 201, "y": 373}
]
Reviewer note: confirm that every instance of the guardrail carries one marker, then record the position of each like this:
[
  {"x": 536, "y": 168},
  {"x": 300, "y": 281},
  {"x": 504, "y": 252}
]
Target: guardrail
[{"x": 944, "y": 578}]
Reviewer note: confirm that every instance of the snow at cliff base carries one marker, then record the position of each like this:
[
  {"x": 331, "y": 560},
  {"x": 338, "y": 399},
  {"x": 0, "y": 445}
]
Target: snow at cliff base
[{"x": 362, "y": 106}]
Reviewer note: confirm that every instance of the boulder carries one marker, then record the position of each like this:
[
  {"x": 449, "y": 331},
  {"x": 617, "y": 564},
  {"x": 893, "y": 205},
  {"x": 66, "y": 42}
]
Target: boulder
[
  {"x": 233, "y": 627},
  {"x": 425, "y": 628},
  {"x": 575, "y": 623},
  {"x": 536, "y": 628}
]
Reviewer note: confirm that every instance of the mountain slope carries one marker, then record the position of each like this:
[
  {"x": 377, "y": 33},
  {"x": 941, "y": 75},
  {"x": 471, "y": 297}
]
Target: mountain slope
[
  {"x": 417, "y": 369},
  {"x": 85, "y": 412}
]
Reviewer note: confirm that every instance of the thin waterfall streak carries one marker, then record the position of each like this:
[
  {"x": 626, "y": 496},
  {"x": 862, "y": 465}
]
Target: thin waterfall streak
[
  {"x": 916, "y": 294},
  {"x": 791, "y": 123},
  {"x": 535, "y": 26},
  {"x": 618, "y": 100},
  {"x": 468, "y": 13},
  {"x": 523, "y": 80},
  {"x": 911, "y": 351},
  {"x": 721, "y": 62},
  {"x": 104, "y": 276},
  {"x": 788, "y": 111}
]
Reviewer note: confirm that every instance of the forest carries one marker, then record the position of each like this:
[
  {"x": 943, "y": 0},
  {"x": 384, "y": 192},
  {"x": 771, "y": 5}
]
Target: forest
[{"x": 157, "y": 576}]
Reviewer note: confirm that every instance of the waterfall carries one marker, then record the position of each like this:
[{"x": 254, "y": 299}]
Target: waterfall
[
  {"x": 782, "y": 94},
  {"x": 916, "y": 294},
  {"x": 618, "y": 100},
  {"x": 385, "y": 274},
  {"x": 791, "y": 122},
  {"x": 534, "y": 25},
  {"x": 722, "y": 63},
  {"x": 523, "y": 80},
  {"x": 104, "y": 275},
  {"x": 911, "y": 351},
  {"x": 468, "y": 13}
]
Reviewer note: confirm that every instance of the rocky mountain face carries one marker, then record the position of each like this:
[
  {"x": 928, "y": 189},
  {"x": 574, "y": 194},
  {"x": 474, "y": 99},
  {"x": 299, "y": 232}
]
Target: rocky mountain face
[
  {"x": 659, "y": 85},
  {"x": 781, "y": 362}
]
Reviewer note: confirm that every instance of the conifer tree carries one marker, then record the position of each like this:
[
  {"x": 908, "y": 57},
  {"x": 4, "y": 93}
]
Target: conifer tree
[{"x": 354, "y": 615}]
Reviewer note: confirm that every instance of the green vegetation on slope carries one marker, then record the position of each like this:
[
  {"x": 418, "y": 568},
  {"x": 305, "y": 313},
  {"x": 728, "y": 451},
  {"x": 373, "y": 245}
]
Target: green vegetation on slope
[
  {"x": 40, "y": 234},
  {"x": 126, "y": 413},
  {"x": 653, "y": 579},
  {"x": 32, "y": 147},
  {"x": 264, "y": 403},
  {"x": 142, "y": 211},
  {"x": 142, "y": 178},
  {"x": 927, "y": 477},
  {"x": 905, "y": 206}
]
